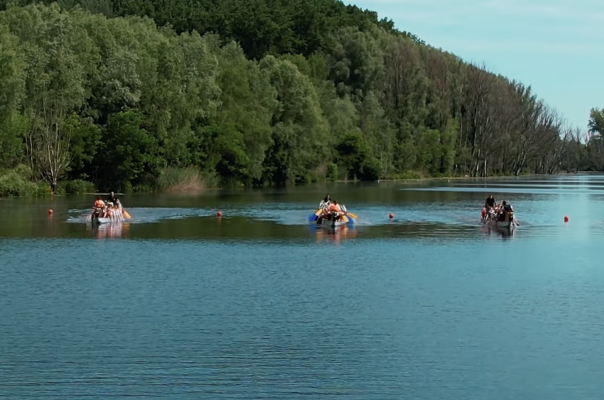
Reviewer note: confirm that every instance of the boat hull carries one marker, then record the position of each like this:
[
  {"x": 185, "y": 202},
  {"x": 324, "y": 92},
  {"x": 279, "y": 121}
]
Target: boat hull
[
  {"x": 115, "y": 218},
  {"x": 506, "y": 224},
  {"x": 501, "y": 224},
  {"x": 491, "y": 219},
  {"x": 332, "y": 224},
  {"x": 328, "y": 222}
]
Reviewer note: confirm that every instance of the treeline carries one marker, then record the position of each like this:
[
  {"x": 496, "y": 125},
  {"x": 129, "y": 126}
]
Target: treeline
[
  {"x": 587, "y": 150},
  {"x": 253, "y": 92}
]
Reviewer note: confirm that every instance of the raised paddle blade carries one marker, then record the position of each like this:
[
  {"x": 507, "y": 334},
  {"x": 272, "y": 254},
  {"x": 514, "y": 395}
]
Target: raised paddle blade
[
  {"x": 352, "y": 215},
  {"x": 126, "y": 214},
  {"x": 318, "y": 212}
]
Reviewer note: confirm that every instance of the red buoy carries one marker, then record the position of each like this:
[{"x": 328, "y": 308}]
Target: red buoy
[
  {"x": 390, "y": 215},
  {"x": 566, "y": 218},
  {"x": 219, "y": 214},
  {"x": 50, "y": 211}
]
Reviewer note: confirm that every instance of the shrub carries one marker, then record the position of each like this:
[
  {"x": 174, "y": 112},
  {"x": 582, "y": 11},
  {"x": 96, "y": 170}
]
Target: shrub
[
  {"x": 79, "y": 186},
  {"x": 332, "y": 172},
  {"x": 13, "y": 184},
  {"x": 179, "y": 180}
]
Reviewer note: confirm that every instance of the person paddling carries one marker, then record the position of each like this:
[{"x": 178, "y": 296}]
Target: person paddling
[
  {"x": 323, "y": 209},
  {"x": 325, "y": 202},
  {"x": 98, "y": 209},
  {"x": 112, "y": 198},
  {"x": 490, "y": 203},
  {"x": 99, "y": 203},
  {"x": 335, "y": 210},
  {"x": 507, "y": 211}
]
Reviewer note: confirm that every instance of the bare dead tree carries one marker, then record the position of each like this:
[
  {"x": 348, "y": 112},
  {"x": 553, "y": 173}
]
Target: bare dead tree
[
  {"x": 51, "y": 154},
  {"x": 480, "y": 113},
  {"x": 404, "y": 83}
]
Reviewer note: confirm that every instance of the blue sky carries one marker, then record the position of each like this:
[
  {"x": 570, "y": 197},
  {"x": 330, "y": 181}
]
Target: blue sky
[{"x": 555, "y": 46}]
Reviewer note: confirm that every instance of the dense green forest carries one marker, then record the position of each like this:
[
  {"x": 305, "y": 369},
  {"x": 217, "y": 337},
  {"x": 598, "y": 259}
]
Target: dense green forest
[{"x": 155, "y": 95}]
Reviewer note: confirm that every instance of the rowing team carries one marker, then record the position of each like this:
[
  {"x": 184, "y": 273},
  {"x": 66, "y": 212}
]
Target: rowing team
[
  {"x": 491, "y": 204},
  {"x": 331, "y": 207},
  {"x": 108, "y": 208}
]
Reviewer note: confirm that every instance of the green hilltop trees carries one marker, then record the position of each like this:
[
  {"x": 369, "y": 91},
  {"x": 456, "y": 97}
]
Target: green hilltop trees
[{"x": 255, "y": 92}]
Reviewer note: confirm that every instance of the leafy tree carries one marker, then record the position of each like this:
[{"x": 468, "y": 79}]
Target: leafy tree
[
  {"x": 12, "y": 93},
  {"x": 54, "y": 49},
  {"x": 298, "y": 125},
  {"x": 258, "y": 92},
  {"x": 128, "y": 153},
  {"x": 84, "y": 139}
]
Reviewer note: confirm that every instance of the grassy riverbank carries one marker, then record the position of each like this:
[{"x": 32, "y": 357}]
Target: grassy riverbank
[{"x": 18, "y": 182}]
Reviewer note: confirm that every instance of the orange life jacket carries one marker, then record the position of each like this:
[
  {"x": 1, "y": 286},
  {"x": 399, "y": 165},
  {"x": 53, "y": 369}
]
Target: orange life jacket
[{"x": 99, "y": 204}]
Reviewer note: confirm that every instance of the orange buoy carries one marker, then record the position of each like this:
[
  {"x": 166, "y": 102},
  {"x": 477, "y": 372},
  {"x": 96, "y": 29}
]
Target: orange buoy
[
  {"x": 390, "y": 215},
  {"x": 50, "y": 211},
  {"x": 219, "y": 214},
  {"x": 566, "y": 218}
]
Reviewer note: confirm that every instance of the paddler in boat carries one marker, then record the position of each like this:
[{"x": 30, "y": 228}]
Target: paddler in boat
[
  {"x": 335, "y": 210},
  {"x": 324, "y": 208},
  {"x": 325, "y": 202},
  {"x": 99, "y": 203},
  {"x": 505, "y": 211},
  {"x": 490, "y": 203},
  {"x": 99, "y": 208},
  {"x": 112, "y": 198}
]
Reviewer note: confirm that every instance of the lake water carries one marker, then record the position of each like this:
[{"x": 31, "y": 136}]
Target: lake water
[{"x": 258, "y": 304}]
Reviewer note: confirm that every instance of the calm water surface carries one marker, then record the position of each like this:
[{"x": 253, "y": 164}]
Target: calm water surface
[{"x": 180, "y": 304}]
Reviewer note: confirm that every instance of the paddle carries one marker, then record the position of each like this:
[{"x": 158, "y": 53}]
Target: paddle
[
  {"x": 313, "y": 217},
  {"x": 126, "y": 214},
  {"x": 352, "y": 215}
]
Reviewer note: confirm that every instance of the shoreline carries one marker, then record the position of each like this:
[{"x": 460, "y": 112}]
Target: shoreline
[
  {"x": 432, "y": 178},
  {"x": 401, "y": 180}
]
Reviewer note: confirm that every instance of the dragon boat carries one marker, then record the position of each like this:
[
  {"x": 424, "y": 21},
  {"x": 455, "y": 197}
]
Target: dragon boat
[
  {"x": 498, "y": 218},
  {"x": 332, "y": 219},
  {"x": 111, "y": 213}
]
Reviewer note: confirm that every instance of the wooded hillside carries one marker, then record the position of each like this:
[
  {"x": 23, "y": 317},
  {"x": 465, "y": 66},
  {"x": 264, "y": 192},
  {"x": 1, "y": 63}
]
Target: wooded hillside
[{"x": 127, "y": 93}]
